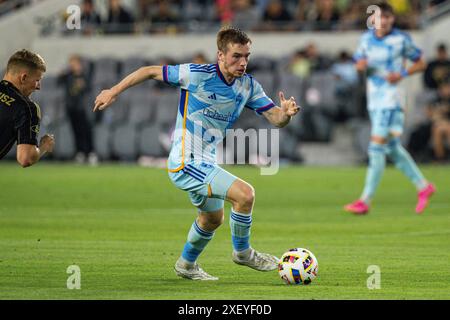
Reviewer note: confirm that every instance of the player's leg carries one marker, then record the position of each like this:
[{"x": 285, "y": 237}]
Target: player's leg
[
  {"x": 405, "y": 163},
  {"x": 447, "y": 132},
  {"x": 210, "y": 217},
  {"x": 379, "y": 120},
  {"x": 438, "y": 132},
  {"x": 201, "y": 233},
  {"x": 377, "y": 162},
  {"x": 74, "y": 118},
  {"x": 242, "y": 198}
]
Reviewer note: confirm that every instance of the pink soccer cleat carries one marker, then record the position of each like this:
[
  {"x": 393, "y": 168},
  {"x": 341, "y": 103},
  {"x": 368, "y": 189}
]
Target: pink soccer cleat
[
  {"x": 357, "y": 207},
  {"x": 423, "y": 197}
]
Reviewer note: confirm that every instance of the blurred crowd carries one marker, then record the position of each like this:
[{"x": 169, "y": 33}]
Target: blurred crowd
[
  {"x": 178, "y": 16},
  {"x": 328, "y": 87},
  {"x": 182, "y": 16},
  {"x": 430, "y": 139}
]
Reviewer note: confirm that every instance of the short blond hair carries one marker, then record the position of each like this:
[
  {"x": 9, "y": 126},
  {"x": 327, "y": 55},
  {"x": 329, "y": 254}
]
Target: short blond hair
[
  {"x": 230, "y": 34},
  {"x": 26, "y": 59}
]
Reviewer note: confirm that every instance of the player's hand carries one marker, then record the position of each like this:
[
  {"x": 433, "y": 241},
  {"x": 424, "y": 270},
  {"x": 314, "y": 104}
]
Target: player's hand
[
  {"x": 104, "y": 100},
  {"x": 47, "y": 143},
  {"x": 362, "y": 65},
  {"x": 289, "y": 107},
  {"x": 394, "y": 77}
]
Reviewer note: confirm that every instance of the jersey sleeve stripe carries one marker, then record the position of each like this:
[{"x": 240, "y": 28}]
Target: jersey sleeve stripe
[
  {"x": 183, "y": 102},
  {"x": 265, "y": 108},
  {"x": 165, "y": 76},
  {"x": 183, "y": 110},
  {"x": 206, "y": 67},
  {"x": 417, "y": 56}
]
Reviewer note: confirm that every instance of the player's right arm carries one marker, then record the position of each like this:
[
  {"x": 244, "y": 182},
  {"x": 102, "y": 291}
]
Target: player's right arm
[
  {"x": 360, "y": 56},
  {"x": 361, "y": 65},
  {"x": 27, "y": 125},
  {"x": 29, "y": 154},
  {"x": 107, "y": 97}
]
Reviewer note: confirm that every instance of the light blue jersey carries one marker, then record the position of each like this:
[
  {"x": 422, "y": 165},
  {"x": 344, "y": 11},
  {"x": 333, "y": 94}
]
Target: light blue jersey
[
  {"x": 208, "y": 106},
  {"x": 385, "y": 55}
]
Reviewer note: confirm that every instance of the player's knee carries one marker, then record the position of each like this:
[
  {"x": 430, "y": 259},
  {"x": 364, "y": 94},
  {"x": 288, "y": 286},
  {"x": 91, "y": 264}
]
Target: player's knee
[
  {"x": 378, "y": 140},
  {"x": 377, "y": 149},
  {"x": 248, "y": 195}
]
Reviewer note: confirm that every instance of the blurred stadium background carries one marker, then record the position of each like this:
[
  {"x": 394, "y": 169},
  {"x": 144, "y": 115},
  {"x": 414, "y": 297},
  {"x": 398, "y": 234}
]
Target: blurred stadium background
[{"x": 303, "y": 47}]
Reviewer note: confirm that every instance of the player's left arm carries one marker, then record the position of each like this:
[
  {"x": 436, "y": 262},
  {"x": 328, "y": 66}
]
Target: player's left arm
[
  {"x": 280, "y": 116},
  {"x": 417, "y": 66},
  {"x": 412, "y": 53}
]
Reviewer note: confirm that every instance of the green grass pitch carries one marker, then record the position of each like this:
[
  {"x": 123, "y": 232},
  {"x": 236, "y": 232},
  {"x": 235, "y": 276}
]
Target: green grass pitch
[{"x": 125, "y": 226}]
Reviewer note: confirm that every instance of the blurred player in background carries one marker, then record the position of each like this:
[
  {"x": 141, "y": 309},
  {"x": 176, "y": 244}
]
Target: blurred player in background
[
  {"x": 212, "y": 98},
  {"x": 383, "y": 53},
  {"x": 75, "y": 82},
  {"x": 19, "y": 116}
]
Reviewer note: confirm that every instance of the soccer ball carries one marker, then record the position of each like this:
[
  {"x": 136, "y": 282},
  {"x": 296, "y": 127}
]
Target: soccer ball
[{"x": 298, "y": 266}]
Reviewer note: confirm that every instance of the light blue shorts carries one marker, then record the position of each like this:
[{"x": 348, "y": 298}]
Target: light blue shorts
[
  {"x": 207, "y": 184},
  {"x": 386, "y": 121}
]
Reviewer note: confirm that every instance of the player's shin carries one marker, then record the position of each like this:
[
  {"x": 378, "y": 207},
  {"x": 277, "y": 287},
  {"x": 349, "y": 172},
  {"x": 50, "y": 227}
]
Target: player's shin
[
  {"x": 377, "y": 163},
  {"x": 240, "y": 225},
  {"x": 196, "y": 242},
  {"x": 404, "y": 162}
]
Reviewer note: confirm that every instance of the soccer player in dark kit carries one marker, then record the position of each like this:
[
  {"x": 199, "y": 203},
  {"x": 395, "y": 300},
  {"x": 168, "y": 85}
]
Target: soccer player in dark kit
[{"x": 19, "y": 115}]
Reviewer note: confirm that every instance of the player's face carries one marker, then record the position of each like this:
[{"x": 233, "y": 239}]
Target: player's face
[
  {"x": 386, "y": 22},
  {"x": 31, "y": 81},
  {"x": 235, "y": 60}
]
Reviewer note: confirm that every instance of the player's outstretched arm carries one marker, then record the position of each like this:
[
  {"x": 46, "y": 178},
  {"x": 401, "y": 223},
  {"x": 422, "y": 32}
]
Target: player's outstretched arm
[
  {"x": 107, "y": 97},
  {"x": 280, "y": 116},
  {"x": 28, "y": 154}
]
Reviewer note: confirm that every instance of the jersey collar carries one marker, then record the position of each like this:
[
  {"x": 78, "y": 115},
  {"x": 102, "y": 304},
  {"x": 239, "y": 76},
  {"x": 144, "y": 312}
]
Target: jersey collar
[
  {"x": 374, "y": 34},
  {"x": 222, "y": 77},
  {"x": 11, "y": 85},
  {"x": 7, "y": 83}
]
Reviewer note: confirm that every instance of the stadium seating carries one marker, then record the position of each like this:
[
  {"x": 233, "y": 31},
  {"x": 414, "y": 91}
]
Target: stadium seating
[
  {"x": 124, "y": 142},
  {"x": 64, "y": 141},
  {"x": 149, "y": 141}
]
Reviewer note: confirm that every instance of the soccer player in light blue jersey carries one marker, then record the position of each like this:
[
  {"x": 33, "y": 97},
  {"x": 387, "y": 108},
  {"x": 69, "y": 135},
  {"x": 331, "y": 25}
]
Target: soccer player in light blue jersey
[
  {"x": 212, "y": 96},
  {"x": 383, "y": 53}
]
